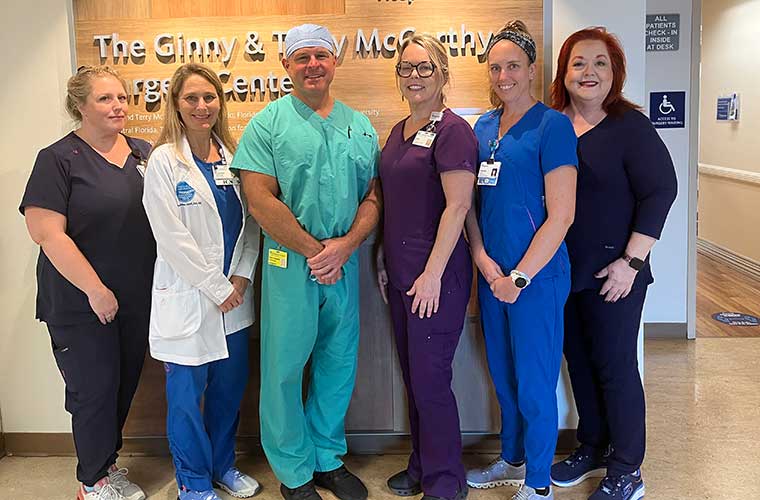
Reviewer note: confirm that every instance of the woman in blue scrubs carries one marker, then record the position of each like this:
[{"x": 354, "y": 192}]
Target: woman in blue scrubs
[{"x": 526, "y": 204}]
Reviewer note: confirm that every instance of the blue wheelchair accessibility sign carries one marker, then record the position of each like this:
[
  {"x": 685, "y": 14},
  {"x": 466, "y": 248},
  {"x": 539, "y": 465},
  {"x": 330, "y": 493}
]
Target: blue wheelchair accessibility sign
[{"x": 667, "y": 109}]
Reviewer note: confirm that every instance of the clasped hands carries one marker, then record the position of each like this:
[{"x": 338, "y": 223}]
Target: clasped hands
[
  {"x": 327, "y": 265},
  {"x": 502, "y": 287}
]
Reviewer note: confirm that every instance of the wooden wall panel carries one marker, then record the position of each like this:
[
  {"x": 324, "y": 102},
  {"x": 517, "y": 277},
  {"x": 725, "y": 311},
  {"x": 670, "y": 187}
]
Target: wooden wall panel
[
  {"x": 163, "y": 9},
  {"x": 96, "y": 10},
  {"x": 365, "y": 81}
]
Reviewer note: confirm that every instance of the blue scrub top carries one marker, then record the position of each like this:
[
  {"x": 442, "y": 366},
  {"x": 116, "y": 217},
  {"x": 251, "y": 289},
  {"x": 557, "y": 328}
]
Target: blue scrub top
[
  {"x": 511, "y": 212},
  {"x": 230, "y": 210}
]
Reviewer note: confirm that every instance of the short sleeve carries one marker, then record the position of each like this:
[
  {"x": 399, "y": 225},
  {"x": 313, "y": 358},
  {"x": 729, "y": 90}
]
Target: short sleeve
[
  {"x": 456, "y": 148},
  {"x": 48, "y": 185},
  {"x": 255, "y": 151},
  {"x": 559, "y": 145}
]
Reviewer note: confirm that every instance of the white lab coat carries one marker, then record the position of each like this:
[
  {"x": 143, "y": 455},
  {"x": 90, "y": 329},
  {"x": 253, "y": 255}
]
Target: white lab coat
[{"x": 186, "y": 325}]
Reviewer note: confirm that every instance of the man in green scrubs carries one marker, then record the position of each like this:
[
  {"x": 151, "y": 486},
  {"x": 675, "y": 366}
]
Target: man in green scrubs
[{"x": 308, "y": 165}]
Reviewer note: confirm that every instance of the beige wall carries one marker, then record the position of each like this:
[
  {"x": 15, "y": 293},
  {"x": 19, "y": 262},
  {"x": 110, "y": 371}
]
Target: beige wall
[
  {"x": 37, "y": 56},
  {"x": 729, "y": 208}
]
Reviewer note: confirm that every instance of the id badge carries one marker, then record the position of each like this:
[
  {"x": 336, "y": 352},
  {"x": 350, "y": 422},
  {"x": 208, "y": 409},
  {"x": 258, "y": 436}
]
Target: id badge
[
  {"x": 488, "y": 174},
  {"x": 277, "y": 258},
  {"x": 223, "y": 176},
  {"x": 424, "y": 139}
]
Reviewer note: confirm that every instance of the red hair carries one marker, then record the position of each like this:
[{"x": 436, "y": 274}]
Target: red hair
[{"x": 614, "y": 103}]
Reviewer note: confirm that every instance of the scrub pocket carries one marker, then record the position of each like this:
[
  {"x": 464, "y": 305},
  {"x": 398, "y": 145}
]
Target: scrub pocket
[{"x": 176, "y": 315}]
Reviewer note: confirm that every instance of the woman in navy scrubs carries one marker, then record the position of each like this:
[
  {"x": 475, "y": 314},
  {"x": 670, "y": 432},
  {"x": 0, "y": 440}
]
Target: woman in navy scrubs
[
  {"x": 526, "y": 189},
  {"x": 427, "y": 170},
  {"x": 626, "y": 186},
  {"x": 82, "y": 206},
  {"x": 202, "y": 299}
]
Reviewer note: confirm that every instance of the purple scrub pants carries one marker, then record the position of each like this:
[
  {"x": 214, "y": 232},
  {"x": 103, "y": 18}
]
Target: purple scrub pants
[{"x": 426, "y": 350}]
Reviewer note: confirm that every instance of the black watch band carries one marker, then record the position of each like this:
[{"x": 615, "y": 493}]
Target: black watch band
[{"x": 634, "y": 262}]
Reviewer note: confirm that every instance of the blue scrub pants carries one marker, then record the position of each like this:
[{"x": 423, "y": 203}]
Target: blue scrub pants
[
  {"x": 524, "y": 350},
  {"x": 202, "y": 442}
]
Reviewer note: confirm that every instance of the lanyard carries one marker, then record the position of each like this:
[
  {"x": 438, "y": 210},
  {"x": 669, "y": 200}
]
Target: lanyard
[
  {"x": 435, "y": 117},
  {"x": 493, "y": 145}
]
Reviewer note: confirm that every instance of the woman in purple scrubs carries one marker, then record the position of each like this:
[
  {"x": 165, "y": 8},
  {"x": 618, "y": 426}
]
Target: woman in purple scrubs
[{"x": 427, "y": 171}]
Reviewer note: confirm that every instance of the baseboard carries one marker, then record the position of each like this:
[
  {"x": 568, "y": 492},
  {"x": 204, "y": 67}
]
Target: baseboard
[
  {"x": 665, "y": 331},
  {"x": 729, "y": 257},
  {"x": 31, "y": 444}
]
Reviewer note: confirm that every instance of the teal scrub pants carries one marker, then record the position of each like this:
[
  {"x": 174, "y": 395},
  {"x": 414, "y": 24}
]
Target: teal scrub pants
[{"x": 302, "y": 320}]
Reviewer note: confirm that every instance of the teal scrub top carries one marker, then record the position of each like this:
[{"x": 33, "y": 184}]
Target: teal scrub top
[{"x": 323, "y": 165}]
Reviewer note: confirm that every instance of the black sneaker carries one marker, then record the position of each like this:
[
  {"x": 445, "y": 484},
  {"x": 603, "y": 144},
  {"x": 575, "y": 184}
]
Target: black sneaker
[
  {"x": 303, "y": 492},
  {"x": 403, "y": 485},
  {"x": 461, "y": 495},
  {"x": 342, "y": 483},
  {"x": 580, "y": 465}
]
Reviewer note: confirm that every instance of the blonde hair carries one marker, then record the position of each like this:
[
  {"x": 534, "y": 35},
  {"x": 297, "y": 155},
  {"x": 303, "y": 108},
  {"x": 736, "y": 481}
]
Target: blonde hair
[
  {"x": 173, "y": 128},
  {"x": 79, "y": 87},
  {"x": 513, "y": 25},
  {"x": 435, "y": 51}
]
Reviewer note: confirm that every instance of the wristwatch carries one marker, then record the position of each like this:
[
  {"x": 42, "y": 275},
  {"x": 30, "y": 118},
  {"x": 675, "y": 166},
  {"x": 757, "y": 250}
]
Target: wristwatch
[
  {"x": 634, "y": 262},
  {"x": 520, "y": 279}
]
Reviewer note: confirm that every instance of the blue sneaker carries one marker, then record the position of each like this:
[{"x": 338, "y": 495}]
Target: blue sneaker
[
  {"x": 579, "y": 466},
  {"x": 184, "y": 494},
  {"x": 237, "y": 484},
  {"x": 625, "y": 487}
]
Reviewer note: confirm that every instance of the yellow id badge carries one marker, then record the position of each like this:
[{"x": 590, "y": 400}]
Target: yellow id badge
[{"x": 278, "y": 258}]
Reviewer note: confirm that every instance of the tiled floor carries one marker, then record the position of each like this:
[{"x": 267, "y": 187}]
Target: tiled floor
[{"x": 703, "y": 425}]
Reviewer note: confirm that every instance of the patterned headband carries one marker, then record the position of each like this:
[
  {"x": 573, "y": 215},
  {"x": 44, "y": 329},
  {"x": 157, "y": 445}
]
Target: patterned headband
[{"x": 520, "y": 39}]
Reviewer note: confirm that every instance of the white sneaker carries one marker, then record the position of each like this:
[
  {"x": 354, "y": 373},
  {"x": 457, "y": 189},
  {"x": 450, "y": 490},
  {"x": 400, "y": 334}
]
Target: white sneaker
[
  {"x": 497, "y": 473},
  {"x": 237, "y": 484},
  {"x": 527, "y": 493},
  {"x": 102, "y": 490},
  {"x": 128, "y": 489}
]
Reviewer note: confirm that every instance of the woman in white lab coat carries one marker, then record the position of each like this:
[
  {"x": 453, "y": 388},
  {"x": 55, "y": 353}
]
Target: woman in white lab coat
[{"x": 202, "y": 300}]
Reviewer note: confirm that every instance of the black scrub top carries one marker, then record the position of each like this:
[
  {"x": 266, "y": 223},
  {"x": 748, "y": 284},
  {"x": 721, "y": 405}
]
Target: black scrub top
[
  {"x": 626, "y": 182},
  {"x": 106, "y": 220}
]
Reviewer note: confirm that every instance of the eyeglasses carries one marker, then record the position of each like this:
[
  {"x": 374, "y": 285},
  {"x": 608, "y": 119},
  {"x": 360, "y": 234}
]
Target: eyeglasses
[{"x": 425, "y": 69}]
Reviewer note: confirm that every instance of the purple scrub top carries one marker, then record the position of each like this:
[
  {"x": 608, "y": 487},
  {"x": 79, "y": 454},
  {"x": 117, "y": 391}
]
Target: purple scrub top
[{"x": 414, "y": 199}]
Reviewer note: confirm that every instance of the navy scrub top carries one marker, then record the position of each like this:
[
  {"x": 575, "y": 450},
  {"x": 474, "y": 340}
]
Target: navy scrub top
[
  {"x": 511, "y": 212},
  {"x": 106, "y": 220},
  {"x": 626, "y": 183}
]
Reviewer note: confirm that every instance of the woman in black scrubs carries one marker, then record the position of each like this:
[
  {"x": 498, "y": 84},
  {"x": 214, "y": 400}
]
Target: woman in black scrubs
[
  {"x": 626, "y": 185},
  {"x": 83, "y": 206}
]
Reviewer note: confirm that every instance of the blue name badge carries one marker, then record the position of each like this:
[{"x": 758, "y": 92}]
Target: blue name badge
[{"x": 185, "y": 192}]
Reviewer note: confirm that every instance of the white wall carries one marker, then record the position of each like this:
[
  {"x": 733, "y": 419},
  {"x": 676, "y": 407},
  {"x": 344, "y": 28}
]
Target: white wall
[
  {"x": 671, "y": 71},
  {"x": 35, "y": 36}
]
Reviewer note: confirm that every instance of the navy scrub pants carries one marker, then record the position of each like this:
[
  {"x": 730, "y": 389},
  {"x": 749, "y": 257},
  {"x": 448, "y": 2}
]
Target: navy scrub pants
[
  {"x": 426, "y": 349},
  {"x": 101, "y": 366},
  {"x": 202, "y": 441},
  {"x": 602, "y": 358},
  {"x": 524, "y": 350}
]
